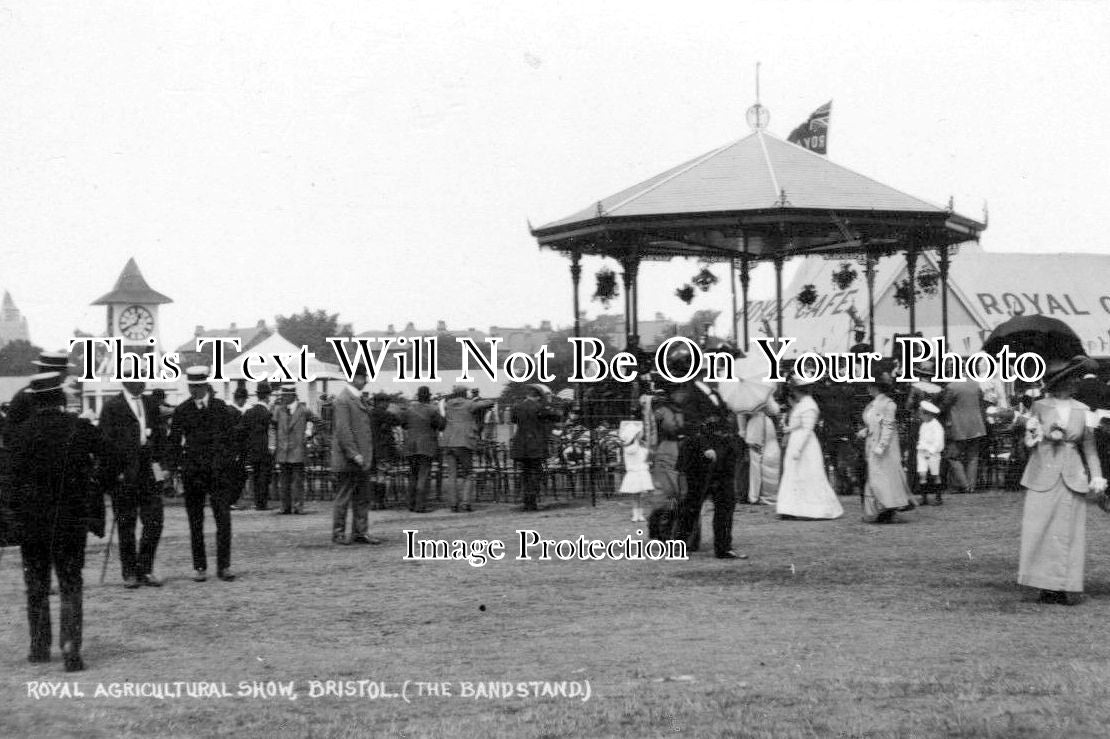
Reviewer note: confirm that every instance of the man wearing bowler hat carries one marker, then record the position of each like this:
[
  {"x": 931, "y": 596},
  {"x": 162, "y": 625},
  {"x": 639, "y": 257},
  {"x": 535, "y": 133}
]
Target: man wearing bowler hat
[
  {"x": 134, "y": 444},
  {"x": 204, "y": 443}
]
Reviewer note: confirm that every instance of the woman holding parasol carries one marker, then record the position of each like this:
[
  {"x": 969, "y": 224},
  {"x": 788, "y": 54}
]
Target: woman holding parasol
[{"x": 1058, "y": 487}]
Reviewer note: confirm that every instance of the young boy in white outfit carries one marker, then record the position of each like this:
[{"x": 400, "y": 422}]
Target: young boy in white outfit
[{"x": 930, "y": 444}]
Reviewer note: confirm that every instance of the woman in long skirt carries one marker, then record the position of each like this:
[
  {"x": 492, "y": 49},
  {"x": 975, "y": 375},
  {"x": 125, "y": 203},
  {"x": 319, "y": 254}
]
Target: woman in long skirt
[
  {"x": 1054, "y": 522},
  {"x": 885, "y": 491},
  {"x": 804, "y": 491}
]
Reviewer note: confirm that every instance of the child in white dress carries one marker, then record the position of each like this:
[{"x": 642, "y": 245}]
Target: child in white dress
[
  {"x": 637, "y": 474},
  {"x": 930, "y": 445}
]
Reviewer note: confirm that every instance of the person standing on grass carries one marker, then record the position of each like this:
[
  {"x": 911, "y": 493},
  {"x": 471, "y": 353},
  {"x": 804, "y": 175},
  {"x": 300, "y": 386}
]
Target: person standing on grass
[
  {"x": 422, "y": 423},
  {"x": 637, "y": 476},
  {"x": 57, "y": 502},
  {"x": 707, "y": 458},
  {"x": 352, "y": 454},
  {"x": 962, "y": 402},
  {"x": 291, "y": 429},
  {"x": 134, "y": 445},
  {"x": 528, "y": 447},
  {"x": 1058, "y": 487},
  {"x": 930, "y": 445},
  {"x": 258, "y": 424},
  {"x": 204, "y": 443},
  {"x": 669, "y": 426},
  {"x": 885, "y": 491},
  {"x": 460, "y": 440},
  {"x": 383, "y": 422},
  {"x": 804, "y": 491}
]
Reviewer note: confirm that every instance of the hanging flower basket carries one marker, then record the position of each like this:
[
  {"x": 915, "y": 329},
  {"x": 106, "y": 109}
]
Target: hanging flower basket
[
  {"x": 606, "y": 289},
  {"x": 928, "y": 281},
  {"x": 685, "y": 294},
  {"x": 704, "y": 279},
  {"x": 902, "y": 293},
  {"x": 808, "y": 295},
  {"x": 845, "y": 276}
]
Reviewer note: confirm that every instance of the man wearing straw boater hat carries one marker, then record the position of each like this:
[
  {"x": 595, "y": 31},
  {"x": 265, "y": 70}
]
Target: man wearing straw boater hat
[
  {"x": 132, "y": 429},
  {"x": 52, "y": 466},
  {"x": 204, "y": 439},
  {"x": 23, "y": 404}
]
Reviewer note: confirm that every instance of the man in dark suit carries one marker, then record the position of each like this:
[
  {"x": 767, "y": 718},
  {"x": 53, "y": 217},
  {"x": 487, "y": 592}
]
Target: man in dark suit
[
  {"x": 352, "y": 455},
  {"x": 708, "y": 458},
  {"x": 528, "y": 447},
  {"x": 133, "y": 445},
  {"x": 58, "y": 503},
  {"x": 257, "y": 428},
  {"x": 207, "y": 460}
]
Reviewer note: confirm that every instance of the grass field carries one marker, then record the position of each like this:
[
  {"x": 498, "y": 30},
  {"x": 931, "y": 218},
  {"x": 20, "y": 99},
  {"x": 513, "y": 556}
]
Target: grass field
[{"x": 830, "y": 629}]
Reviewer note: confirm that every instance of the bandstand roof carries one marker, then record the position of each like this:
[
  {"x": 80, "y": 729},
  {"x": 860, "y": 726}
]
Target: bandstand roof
[{"x": 781, "y": 197}]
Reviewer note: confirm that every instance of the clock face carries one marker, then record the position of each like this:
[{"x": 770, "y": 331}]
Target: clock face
[{"x": 136, "y": 322}]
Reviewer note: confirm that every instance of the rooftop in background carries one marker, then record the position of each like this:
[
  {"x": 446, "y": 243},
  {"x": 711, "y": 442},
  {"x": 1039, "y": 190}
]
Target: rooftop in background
[
  {"x": 131, "y": 287},
  {"x": 249, "y": 337}
]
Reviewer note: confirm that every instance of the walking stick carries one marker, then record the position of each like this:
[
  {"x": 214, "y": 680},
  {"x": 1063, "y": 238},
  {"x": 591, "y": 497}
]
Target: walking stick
[{"x": 108, "y": 549}]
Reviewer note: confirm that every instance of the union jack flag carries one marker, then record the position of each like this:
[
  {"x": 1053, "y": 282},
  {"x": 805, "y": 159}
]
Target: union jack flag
[{"x": 814, "y": 133}]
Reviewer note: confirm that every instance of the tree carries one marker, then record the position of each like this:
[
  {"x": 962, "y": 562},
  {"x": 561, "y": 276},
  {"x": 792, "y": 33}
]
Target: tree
[
  {"x": 311, "y": 329},
  {"x": 16, "y": 358}
]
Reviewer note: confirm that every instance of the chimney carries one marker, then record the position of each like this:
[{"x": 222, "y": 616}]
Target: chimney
[
  {"x": 198, "y": 330},
  {"x": 409, "y": 328},
  {"x": 441, "y": 327},
  {"x": 545, "y": 325},
  {"x": 262, "y": 323},
  {"x": 232, "y": 327},
  {"x": 390, "y": 330}
]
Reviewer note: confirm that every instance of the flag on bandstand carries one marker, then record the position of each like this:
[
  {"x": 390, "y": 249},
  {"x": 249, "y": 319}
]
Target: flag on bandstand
[{"x": 814, "y": 133}]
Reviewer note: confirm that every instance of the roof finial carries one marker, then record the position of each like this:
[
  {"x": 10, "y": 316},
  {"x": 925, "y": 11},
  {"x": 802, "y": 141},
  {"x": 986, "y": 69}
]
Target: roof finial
[
  {"x": 986, "y": 215},
  {"x": 758, "y": 116}
]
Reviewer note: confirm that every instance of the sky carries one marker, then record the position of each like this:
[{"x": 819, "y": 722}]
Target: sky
[{"x": 383, "y": 160}]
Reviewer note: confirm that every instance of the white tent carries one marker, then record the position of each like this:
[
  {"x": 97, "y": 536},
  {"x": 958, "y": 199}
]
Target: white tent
[{"x": 985, "y": 289}]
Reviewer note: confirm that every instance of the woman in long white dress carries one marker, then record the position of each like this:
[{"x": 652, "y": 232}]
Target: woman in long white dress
[{"x": 804, "y": 490}]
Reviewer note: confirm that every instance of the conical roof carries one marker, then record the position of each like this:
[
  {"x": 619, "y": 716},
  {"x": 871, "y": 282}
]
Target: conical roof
[
  {"x": 744, "y": 181},
  {"x": 131, "y": 287},
  {"x": 753, "y": 174}
]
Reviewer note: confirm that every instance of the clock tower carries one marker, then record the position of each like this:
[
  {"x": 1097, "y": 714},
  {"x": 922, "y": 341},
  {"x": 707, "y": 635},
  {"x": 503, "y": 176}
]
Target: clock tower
[{"x": 132, "y": 308}]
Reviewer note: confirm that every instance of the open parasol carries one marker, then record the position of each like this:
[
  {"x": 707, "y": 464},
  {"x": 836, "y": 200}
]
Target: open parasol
[{"x": 1049, "y": 337}]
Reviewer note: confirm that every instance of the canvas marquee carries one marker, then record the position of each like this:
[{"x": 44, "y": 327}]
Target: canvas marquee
[{"x": 985, "y": 289}]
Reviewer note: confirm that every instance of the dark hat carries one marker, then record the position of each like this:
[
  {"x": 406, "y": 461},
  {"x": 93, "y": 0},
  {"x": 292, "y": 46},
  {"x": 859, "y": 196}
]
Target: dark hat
[
  {"x": 288, "y": 390},
  {"x": 382, "y": 398},
  {"x": 1059, "y": 370},
  {"x": 240, "y": 392},
  {"x": 884, "y": 381},
  {"x": 44, "y": 382},
  {"x": 263, "y": 388},
  {"x": 197, "y": 375},
  {"x": 54, "y": 361}
]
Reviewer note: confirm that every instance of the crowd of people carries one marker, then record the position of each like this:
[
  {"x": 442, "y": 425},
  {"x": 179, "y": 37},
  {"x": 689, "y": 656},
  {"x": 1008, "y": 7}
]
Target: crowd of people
[{"x": 799, "y": 447}]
